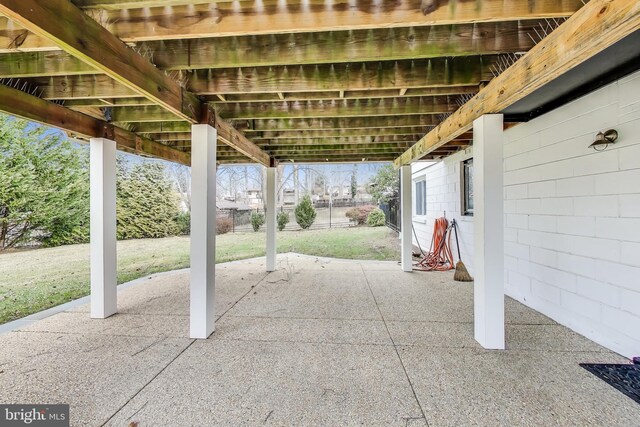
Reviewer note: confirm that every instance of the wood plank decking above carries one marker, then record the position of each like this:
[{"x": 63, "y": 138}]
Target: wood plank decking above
[{"x": 281, "y": 81}]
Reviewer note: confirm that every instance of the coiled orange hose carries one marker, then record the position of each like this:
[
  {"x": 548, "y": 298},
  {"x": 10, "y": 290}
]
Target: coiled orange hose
[{"x": 439, "y": 257}]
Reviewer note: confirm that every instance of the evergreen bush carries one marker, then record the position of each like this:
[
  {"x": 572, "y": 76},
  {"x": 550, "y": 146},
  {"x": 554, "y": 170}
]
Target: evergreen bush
[
  {"x": 376, "y": 218},
  {"x": 147, "y": 204},
  {"x": 184, "y": 223},
  {"x": 257, "y": 219},
  {"x": 283, "y": 220},
  {"x": 305, "y": 213}
]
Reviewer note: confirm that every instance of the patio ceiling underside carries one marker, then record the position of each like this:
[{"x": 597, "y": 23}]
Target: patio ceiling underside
[{"x": 310, "y": 81}]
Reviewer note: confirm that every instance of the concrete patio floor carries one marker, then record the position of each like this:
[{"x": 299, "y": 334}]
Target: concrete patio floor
[{"x": 318, "y": 342}]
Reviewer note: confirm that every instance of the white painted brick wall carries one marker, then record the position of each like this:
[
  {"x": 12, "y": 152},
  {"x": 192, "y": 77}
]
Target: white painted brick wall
[{"x": 572, "y": 215}]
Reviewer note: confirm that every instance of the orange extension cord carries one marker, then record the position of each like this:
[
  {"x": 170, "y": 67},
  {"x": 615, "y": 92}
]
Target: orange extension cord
[{"x": 439, "y": 257}]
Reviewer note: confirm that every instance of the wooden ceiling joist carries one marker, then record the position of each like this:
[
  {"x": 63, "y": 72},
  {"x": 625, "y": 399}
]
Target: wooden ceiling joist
[
  {"x": 331, "y": 133},
  {"x": 333, "y": 47},
  {"x": 300, "y": 125},
  {"x": 319, "y": 81},
  {"x": 30, "y": 107},
  {"x": 350, "y": 94},
  {"x": 76, "y": 33},
  {"x": 340, "y": 123},
  {"x": 344, "y": 108},
  {"x": 436, "y": 72},
  {"x": 225, "y": 19},
  {"x": 598, "y": 25},
  {"x": 304, "y": 135}
]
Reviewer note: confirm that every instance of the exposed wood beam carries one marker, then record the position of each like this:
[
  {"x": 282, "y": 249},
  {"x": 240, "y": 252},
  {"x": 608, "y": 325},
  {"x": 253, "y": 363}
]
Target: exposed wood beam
[
  {"x": 342, "y": 123},
  {"x": 598, "y": 25},
  {"x": 108, "y": 102},
  {"x": 354, "y": 94},
  {"x": 382, "y": 131},
  {"x": 96, "y": 86},
  {"x": 223, "y": 19},
  {"x": 443, "y": 79},
  {"x": 163, "y": 127},
  {"x": 58, "y": 85},
  {"x": 302, "y": 136},
  {"x": 345, "y": 152},
  {"x": 458, "y": 71},
  {"x": 30, "y": 107},
  {"x": 345, "y": 46},
  {"x": 42, "y": 63},
  {"x": 301, "y": 125},
  {"x": 133, "y": 4},
  {"x": 362, "y": 139},
  {"x": 81, "y": 36},
  {"x": 342, "y": 140},
  {"x": 337, "y": 157},
  {"x": 345, "y": 108},
  {"x": 141, "y": 114},
  {"x": 235, "y": 139},
  {"x": 306, "y": 149}
]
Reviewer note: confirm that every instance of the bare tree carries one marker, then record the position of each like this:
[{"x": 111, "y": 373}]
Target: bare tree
[{"x": 181, "y": 176}]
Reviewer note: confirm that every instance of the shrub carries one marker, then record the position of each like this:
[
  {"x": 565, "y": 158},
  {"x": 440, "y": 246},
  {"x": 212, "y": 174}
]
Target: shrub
[
  {"x": 305, "y": 213},
  {"x": 184, "y": 223},
  {"x": 359, "y": 214},
  {"x": 376, "y": 218},
  {"x": 283, "y": 220},
  {"x": 223, "y": 225},
  {"x": 257, "y": 219}
]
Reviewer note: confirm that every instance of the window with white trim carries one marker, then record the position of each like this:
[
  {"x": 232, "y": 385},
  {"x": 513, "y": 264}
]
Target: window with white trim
[
  {"x": 420, "y": 197},
  {"x": 467, "y": 187}
]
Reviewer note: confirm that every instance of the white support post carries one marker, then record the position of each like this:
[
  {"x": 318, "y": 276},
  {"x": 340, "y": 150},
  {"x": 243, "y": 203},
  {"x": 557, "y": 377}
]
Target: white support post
[
  {"x": 102, "y": 177},
  {"x": 270, "y": 219},
  {"x": 406, "y": 218},
  {"x": 488, "y": 291},
  {"x": 203, "y": 231}
]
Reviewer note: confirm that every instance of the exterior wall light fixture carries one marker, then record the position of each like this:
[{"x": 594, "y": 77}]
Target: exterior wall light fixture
[{"x": 604, "y": 139}]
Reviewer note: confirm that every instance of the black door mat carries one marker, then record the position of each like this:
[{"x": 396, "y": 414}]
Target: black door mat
[{"x": 625, "y": 378}]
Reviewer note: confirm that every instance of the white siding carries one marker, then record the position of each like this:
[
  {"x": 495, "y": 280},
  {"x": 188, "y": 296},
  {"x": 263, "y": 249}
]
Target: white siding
[{"x": 572, "y": 215}]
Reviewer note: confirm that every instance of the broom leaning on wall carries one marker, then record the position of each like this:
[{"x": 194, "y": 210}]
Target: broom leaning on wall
[{"x": 461, "y": 274}]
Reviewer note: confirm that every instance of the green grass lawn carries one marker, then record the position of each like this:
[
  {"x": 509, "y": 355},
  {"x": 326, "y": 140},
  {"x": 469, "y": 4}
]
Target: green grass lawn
[{"x": 33, "y": 280}]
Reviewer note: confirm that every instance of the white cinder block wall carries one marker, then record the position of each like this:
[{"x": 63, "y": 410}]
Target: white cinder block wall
[
  {"x": 572, "y": 215},
  {"x": 443, "y": 195}
]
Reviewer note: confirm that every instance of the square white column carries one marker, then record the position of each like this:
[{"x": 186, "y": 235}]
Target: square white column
[
  {"x": 203, "y": 231},
  {"x": 270, "y": 219},
  {"x": 406, "y": 218},
  {"x": 102, "y": 177},
  {"x": 488, "y": 224}
]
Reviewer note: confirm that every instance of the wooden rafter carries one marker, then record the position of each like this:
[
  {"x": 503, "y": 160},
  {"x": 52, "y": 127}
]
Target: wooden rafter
[
  {"x": 592, "y": 29},
  {"x": 30, "y": 107},
  {"x": 81, "y": 36}
]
